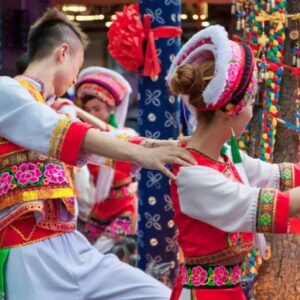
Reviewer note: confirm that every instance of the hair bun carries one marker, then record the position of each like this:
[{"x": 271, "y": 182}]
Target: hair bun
[{"x": 186, "y": 81}]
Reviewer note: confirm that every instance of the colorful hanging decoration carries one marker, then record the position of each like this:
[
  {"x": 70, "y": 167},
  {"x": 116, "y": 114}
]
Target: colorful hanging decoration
[
  {"x": 263, "y": 24},
  {"x": 244, "y": 139},
  {"x": 251, "y": 264}
]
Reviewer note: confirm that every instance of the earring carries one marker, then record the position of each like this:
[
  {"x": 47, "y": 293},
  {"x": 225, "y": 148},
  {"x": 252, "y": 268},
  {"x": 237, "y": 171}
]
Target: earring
[
  {"x": 112, "y": 120},
  {"x": 235, "y": 150}
]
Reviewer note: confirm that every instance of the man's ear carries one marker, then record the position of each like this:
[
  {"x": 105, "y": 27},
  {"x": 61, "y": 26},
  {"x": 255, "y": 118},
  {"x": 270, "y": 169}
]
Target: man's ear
[{"x": 61, "y": 52}]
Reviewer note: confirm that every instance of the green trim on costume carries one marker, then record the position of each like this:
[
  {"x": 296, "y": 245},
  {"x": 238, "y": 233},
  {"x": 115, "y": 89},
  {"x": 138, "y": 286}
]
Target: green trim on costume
[{"x": 3, "y": 258}]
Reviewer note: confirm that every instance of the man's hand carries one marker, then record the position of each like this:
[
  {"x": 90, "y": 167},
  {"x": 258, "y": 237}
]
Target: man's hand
[
  {"x": 157, "y": 158},
  {"x": 60, "y": 102}
]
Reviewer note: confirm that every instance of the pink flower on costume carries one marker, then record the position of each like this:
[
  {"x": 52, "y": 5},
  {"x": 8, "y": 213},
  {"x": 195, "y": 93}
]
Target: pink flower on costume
[
  {"x": 220, "y": 276},
  {"x": 233, "y": 237},
  {"x": 28, "y": 173},
  {"x": 113, "y": 194},
  {"x": 183, "y": 274},
  {"x": 232, "y": 72},
  {"x": 55, "y": 173},
  {"x": 5, "y": 182},
  {"x": 119, "y": 226},
  {"x": 236, "y": 274},
  {"x": 124, "y": 191},
  {"x": 199, "y": 276}
]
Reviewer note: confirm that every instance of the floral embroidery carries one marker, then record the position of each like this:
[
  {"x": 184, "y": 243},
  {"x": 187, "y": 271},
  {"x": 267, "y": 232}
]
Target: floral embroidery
[
  {"x": 266, "y": 210},
  {"x": 183, "y": 274},
  {"x": 55, "y": 173},
  {"x": 5, "y": 182},
  {"x": 212, "y": 276},
  {"x": 267, "y": 197},
  {"x": 31, "y": 174},
  {"x": 287, "y": 176},
  {"x": 199, "y": 276},
  {"x": 119, "y": 193},
  {"x": 121, "y": 225},
  {"x": 233, "y": 239},
  {"x": 220, "y": 276},
  {"x": 236, "y": 274},
  {"x": 27, "y": 173}
]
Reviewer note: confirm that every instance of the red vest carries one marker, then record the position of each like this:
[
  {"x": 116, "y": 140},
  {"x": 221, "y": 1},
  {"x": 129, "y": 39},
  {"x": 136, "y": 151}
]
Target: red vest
[{"x": 200, "y": 242}]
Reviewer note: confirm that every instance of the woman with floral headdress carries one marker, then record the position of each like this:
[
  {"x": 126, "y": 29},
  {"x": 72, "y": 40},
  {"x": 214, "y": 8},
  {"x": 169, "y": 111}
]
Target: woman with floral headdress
[
  {"x": 222, "y": 203},
  {"x": 111, "y": 226}
]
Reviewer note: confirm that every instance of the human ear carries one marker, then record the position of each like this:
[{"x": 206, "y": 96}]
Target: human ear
[{"x": 62, "y": 51}]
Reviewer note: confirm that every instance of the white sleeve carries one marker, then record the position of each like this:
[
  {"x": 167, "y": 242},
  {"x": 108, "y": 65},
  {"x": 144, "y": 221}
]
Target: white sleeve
[
  {"x": 23, "y": 120},
  {"x": 260, "y": 173},
  {"x": 86, "y": 190},
  {"x": 207, "y": 195}
]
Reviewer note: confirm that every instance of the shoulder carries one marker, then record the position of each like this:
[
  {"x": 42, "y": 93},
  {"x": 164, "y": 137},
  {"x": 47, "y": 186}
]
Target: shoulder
[
  {"x": 8, "y": 84},
  {"x": 6, "y": 81}
]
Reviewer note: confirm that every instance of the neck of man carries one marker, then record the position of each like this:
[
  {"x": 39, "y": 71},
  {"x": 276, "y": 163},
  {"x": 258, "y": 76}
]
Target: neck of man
[{"x": 42, "y": 72}]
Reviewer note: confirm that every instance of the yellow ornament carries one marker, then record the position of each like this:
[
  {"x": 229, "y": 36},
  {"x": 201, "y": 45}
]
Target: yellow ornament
[{"x": 273, "y": 110}]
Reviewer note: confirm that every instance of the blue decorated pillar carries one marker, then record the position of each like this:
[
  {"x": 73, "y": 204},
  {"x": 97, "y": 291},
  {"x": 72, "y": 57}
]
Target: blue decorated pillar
[{"x": 158, "y": 118}]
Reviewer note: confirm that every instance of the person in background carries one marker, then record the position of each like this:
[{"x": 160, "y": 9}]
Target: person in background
[{"x": 112, "y": 223}]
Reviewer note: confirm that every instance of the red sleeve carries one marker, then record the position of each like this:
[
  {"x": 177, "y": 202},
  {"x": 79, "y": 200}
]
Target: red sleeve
[
  {"x": 72, "y": 142},
  {"x": 297, "y": 174}
]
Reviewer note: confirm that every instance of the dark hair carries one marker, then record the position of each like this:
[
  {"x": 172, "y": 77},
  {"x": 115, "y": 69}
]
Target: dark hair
[
  {"x": 192, "y": 81},
  {"x": 22, "y": 63},
  {"x": 51, "y": 30},
  {"x": 85, "y": 100}
]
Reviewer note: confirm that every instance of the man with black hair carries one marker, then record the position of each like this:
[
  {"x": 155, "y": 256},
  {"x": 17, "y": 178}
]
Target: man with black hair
[{"x": 42, "y": 255}]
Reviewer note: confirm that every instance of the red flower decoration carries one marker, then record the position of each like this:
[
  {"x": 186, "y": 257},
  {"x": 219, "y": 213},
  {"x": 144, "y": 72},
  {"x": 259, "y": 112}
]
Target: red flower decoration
[{"x": 126, "y": 36}]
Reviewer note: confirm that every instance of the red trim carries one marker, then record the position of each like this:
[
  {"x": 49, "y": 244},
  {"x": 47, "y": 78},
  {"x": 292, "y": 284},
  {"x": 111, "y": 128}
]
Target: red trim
[
  {"x": 8, "y": 148},
  {"x": 297, "y": 174},
  {"x": 294, "y": 226},
  {"x": 72, "y": 142},
  {"x": 282, "y": 212},
  {"x": 24, "y": 231},
  {"x": 136, "y": 140},
  {"x": 294, "y": 223}
]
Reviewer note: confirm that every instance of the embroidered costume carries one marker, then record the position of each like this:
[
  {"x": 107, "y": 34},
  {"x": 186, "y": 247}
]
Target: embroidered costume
[
  {"x": 114, "y": 214},
  {"x": 38, "y": 237},
  {"x": 220, "y": 205}
]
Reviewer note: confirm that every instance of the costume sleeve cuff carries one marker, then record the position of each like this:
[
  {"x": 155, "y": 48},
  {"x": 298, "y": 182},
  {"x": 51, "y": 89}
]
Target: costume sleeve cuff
[
  {"x": 67, "y": 139},
  {"x": 272, "y": 211},
  {"x": 289, "y": 176}
]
